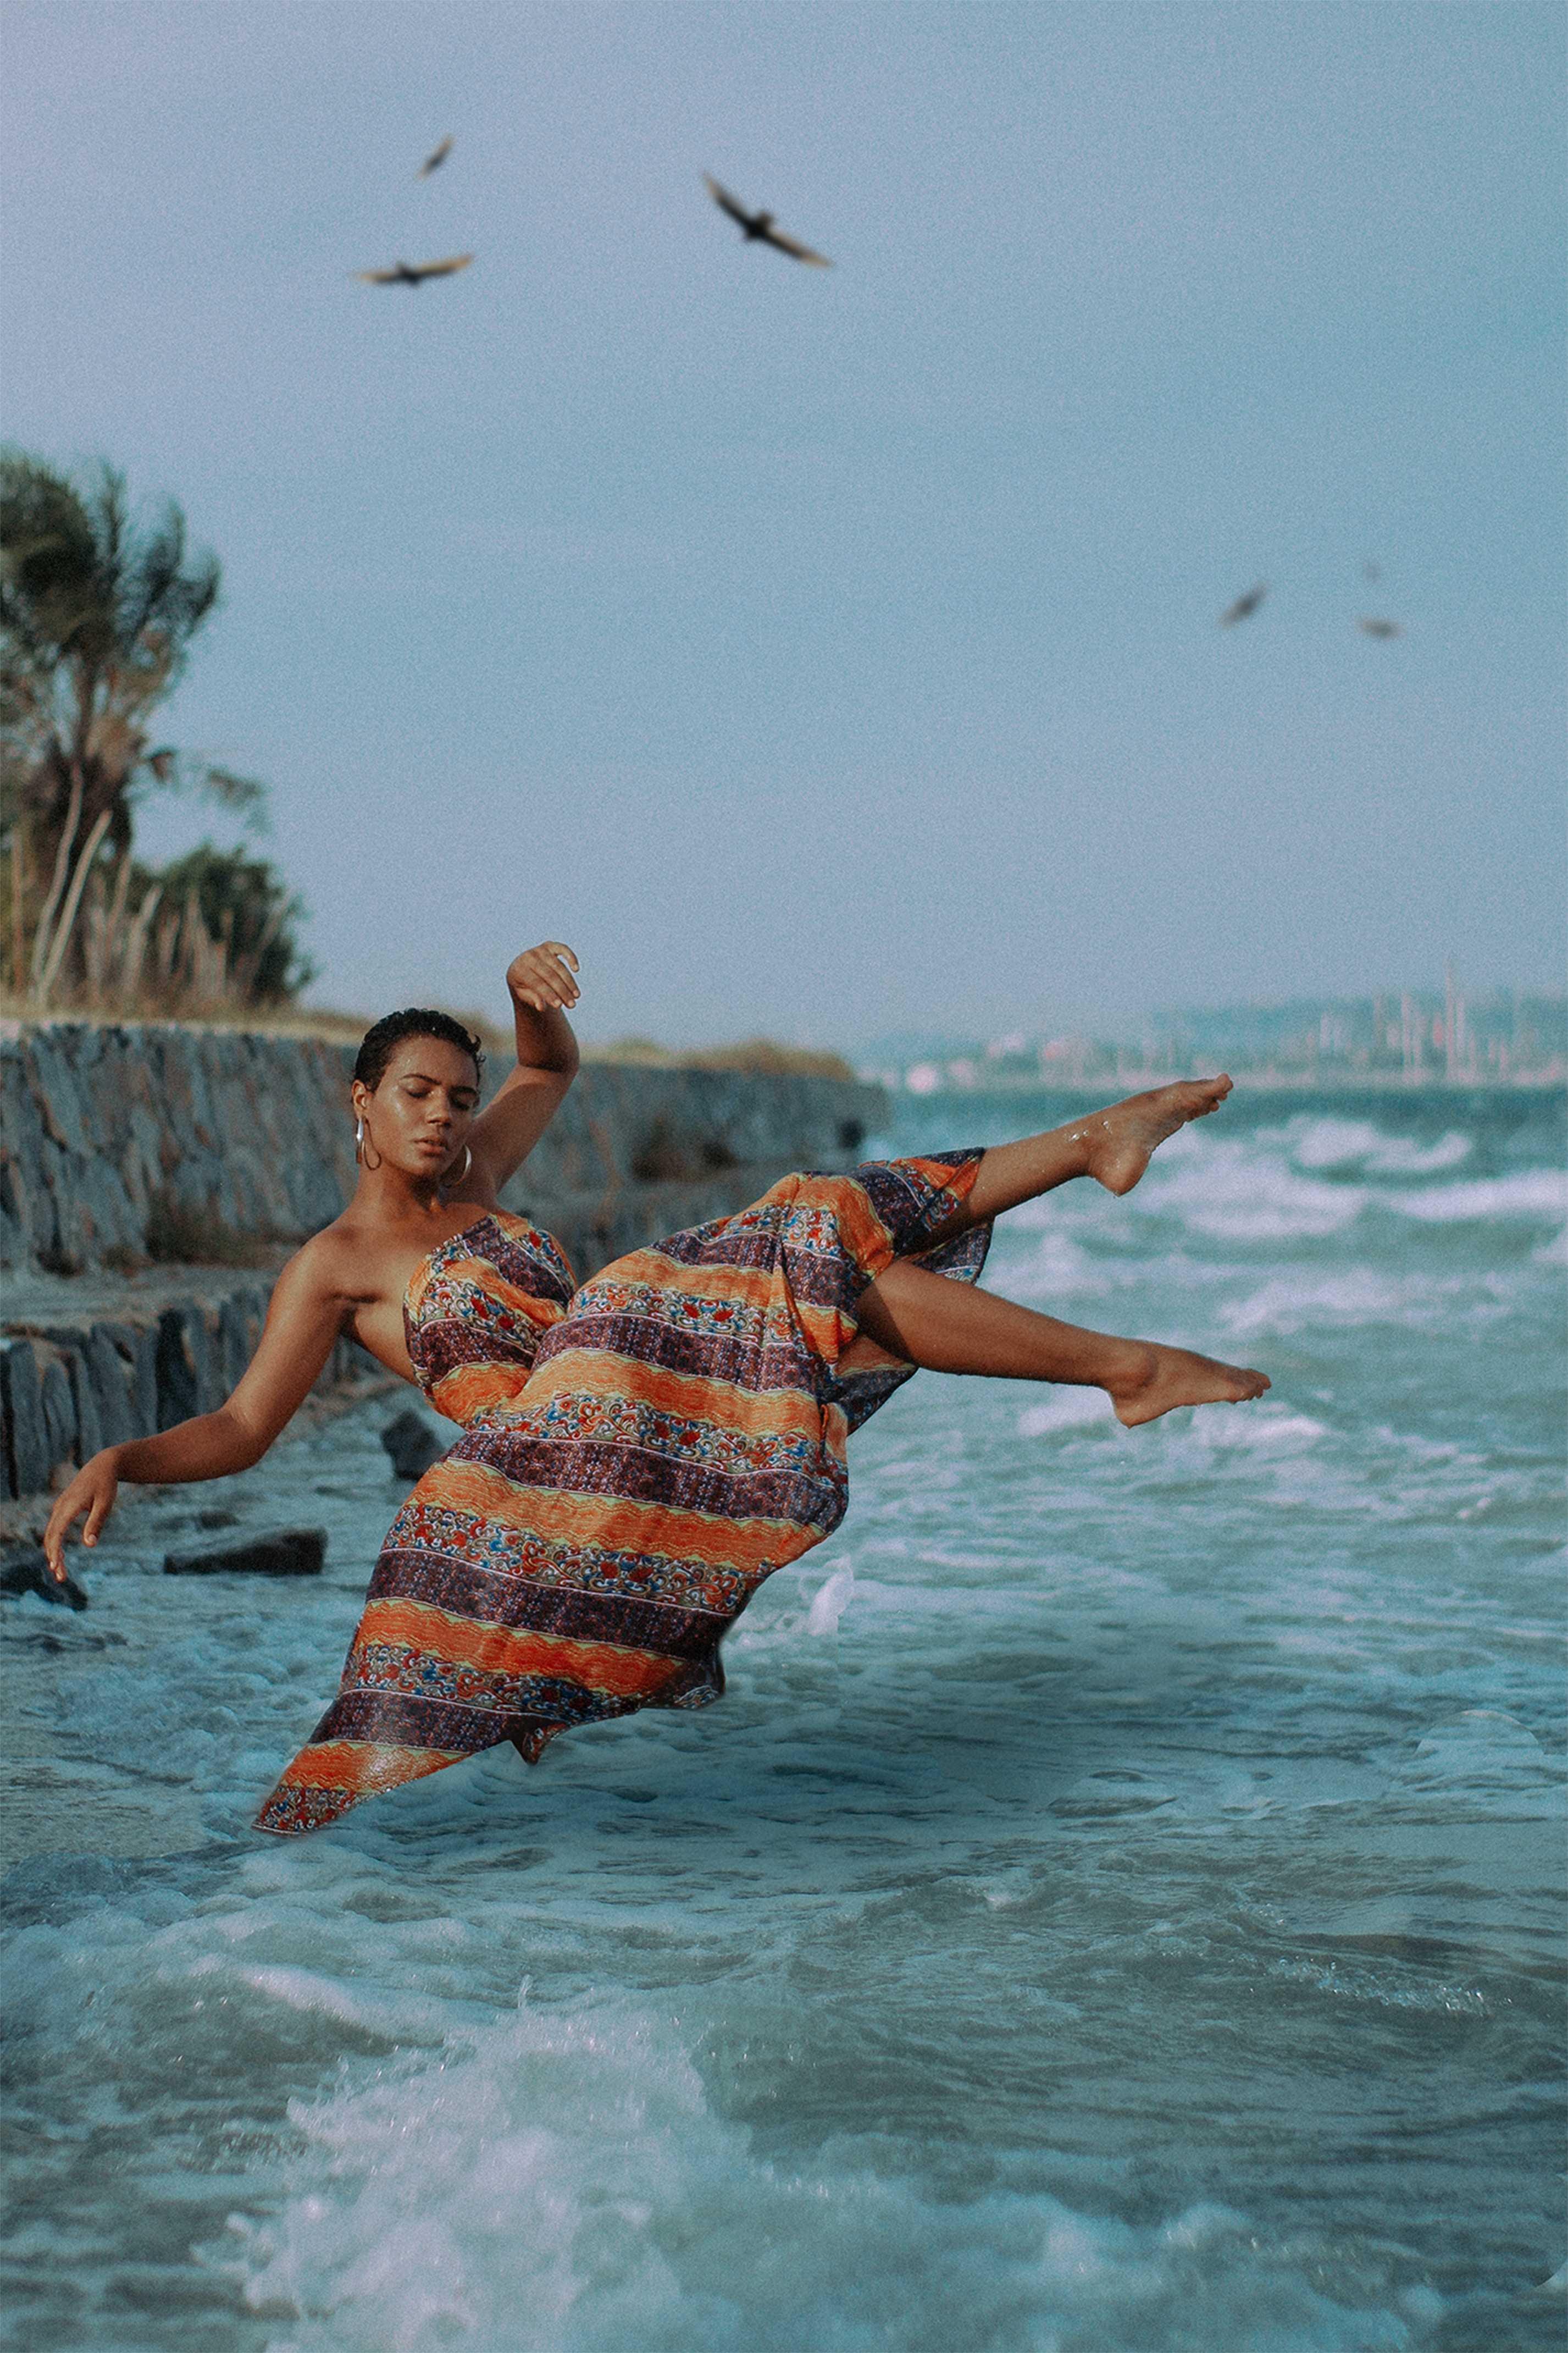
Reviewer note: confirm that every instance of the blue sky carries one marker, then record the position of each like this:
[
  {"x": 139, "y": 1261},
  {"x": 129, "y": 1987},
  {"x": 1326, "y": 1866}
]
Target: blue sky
[{"x": 830, "y": 651}]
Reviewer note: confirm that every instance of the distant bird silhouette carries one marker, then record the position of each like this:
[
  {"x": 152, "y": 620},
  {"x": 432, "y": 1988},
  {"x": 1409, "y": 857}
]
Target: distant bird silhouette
[
  {"x": 435, "y": 158},
  {"x": 759, "y": 227},
  {"x": 414, "y": 273},
  {"x": 1244, "y": 606},
  {"x": 1374, "y": 629}
]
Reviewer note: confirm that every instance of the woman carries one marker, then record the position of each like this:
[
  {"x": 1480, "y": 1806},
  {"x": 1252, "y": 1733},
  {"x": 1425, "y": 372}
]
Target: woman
[{"x": 638, "y": 1454}]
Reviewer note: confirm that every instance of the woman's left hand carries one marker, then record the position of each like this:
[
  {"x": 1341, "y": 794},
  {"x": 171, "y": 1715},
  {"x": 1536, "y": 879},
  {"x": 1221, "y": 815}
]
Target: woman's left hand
[{"x": 542, "y": 977}]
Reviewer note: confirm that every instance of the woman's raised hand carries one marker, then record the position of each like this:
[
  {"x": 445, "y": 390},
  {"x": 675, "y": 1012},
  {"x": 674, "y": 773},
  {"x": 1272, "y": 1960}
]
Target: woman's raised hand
[
  {"x": 542, "y": 977},
  {"x": 92, "y": 1491}
]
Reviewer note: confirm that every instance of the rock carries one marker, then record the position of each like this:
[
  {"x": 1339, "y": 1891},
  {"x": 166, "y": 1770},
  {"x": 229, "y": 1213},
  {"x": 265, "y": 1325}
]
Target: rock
[
  {"x": 281, "y": 1552},
  {"x": 101, "y": 1118},
  {"x": 28, "y": 1457},
  {"x": 233, "y": 1340},
  {"x": 136, "y": 1345},
  {"x": 106, "y": 1370},
  {"x": 190, "y": 1380},
  {"x": 59, "y": 1412},
  {"x": 412, "y": 1444},
  {"x": 89, "y": 1421},
  {"x": 28, "y": 1572}
]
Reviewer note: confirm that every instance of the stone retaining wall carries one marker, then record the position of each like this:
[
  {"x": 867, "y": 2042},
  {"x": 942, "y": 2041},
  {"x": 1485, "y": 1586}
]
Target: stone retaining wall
[
  {"x": 112, "y": 1138},
  {"x": 107, "y": 1129}
]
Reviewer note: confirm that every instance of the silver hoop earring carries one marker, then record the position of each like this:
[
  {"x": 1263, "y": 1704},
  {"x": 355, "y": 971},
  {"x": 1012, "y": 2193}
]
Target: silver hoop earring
[
  {"x": 360, "y": 1153},
  {"x": 462, "y": 1176}
]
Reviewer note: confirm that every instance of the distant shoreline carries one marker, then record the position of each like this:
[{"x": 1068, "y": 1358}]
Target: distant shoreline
[{"x": 1382, "y": 1083}]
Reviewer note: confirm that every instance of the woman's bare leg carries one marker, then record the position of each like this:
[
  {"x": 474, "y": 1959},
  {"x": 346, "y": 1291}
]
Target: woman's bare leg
[
  {"x": 949, "y": 1327},
  {"x": 1113, "y": 1146}
]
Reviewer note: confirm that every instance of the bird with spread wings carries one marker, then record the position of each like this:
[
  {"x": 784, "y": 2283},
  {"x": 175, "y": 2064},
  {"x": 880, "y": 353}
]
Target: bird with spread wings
[
  {"x": 758, "y": 227},
  {"x": 414, "y": 273}
]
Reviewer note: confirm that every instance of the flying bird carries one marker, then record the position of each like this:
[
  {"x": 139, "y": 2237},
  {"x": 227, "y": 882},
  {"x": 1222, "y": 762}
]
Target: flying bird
[
  {"x": 1244, "y": 606},
  {"x": 759, "y": 227},
  {"x": 435, "y": 158},
  {"x": 1376, "y": 628},
  {"x": 414, "y": 273}
]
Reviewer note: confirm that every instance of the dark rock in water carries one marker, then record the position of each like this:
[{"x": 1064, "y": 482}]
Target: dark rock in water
[
  {"x": 84, "y": 1401},
  {"x": 60, "y": 1411},
  {"x": 28, "y": 1461},
  {"x": 218, "y": 1519},
  {"x": 177, "y": 1380},
  {"x": 28, "y": 1572},
  {"x": 281, "y": 1552},
  {"x": 190, "y": 1376},
  {"x": 118, "y": 1421},
  {"x": 233, "y": 1340},
  {"x": 412, "y": 1444}
]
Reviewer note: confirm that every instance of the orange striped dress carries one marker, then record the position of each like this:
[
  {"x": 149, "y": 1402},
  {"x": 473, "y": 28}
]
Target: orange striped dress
[{"x": 636, "y": 1456}]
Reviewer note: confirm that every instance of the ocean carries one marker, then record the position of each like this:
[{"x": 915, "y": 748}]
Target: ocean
[{"x": 1118, "y": 1907}]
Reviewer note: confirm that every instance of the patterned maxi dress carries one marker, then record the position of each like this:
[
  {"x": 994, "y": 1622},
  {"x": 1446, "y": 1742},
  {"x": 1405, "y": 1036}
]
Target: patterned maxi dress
[{"x": 636, "y": 1456}]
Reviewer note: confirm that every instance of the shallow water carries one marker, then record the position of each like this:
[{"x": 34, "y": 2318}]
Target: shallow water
[{"x": 1116, "y": 1908}]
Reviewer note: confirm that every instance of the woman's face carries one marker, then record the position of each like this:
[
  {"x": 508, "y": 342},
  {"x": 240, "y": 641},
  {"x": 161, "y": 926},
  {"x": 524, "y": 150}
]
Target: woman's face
[{"x": 420, "y": 1113}]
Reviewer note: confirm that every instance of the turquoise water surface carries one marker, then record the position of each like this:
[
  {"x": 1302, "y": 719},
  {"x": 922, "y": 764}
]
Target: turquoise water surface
[{"x": 1116, "y": 1909}]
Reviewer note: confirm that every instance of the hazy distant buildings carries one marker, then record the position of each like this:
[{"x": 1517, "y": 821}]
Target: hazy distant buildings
[{"x": 1413, "y": 1036}]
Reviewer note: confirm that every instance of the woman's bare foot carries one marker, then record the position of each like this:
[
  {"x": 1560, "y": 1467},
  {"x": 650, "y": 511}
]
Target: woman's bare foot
[
  {"x": 1160, "y": 1378},
  {"x": 1119, "y": 1142}
]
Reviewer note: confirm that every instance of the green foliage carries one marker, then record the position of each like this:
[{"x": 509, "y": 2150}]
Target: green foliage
[
  {"x": 249, "y": 917},
  {"x": 96, "y": 618},
  {"x": 78, "y": 584},
  {"x": 97, "y": 614}
]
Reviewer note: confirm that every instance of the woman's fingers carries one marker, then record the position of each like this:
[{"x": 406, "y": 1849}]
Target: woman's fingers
[
  {"x": 60, "y": 1520},
  {"x": 560, "y": 976},
  {"x": 542, "y": 977},
  {"x": 94, "y": 1494}
]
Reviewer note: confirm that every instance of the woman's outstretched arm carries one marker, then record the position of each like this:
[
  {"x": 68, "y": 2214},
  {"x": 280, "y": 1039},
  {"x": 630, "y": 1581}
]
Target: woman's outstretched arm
[
  {"x": 303, "y": 1322},
  {"x": 543, "y": 985}
]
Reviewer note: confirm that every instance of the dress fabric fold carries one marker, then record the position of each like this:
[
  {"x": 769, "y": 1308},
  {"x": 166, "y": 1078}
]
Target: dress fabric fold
[{"x": 637, "y": 1455}]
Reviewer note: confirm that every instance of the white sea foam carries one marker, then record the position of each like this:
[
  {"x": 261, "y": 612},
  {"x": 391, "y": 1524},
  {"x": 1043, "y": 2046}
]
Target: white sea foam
[
  {"x": 1526, "y": 1193},
  {"x": 1256, "y": 1428},
  {"x": 1360, "y": 1295},
  {"x": 829, "y": 1602},
  {"x": 1068, "y": 1409},
  {"x": 1348, "y": 1142},
  {"x": 1238, "y": 1194},
  {"x": 1059, "y": 1268},
  {"x": 457, "y": 2205}
]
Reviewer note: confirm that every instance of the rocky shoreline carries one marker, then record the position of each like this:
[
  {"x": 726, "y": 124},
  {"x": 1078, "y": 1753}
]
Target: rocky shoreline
[{"x": 132, "y": 1154}]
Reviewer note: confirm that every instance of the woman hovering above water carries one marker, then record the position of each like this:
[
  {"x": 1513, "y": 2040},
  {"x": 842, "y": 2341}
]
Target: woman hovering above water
[{"x": 638, "y": 1453}]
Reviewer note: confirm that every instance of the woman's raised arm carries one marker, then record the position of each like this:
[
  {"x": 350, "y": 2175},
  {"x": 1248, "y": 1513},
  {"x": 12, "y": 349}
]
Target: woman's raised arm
[
  {"x": 542, "y": 986},
  {"x": 303, "y": 1322}
]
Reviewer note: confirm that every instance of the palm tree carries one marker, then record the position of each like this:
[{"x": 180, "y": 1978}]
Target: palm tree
[{"x": 97, "y": 618}]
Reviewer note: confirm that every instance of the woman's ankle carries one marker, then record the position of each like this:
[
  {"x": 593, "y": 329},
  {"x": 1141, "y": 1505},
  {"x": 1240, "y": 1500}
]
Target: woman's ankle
[{"x": 1132, "y": 1366}]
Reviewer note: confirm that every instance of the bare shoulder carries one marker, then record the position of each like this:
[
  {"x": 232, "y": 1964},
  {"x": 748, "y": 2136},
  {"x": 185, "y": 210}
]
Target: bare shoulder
[{"x": 333, "y": 1268}]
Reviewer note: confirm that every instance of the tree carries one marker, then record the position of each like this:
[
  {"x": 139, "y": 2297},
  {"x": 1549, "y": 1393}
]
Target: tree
[
  {"x": 97, "y": 618},
  {"x": 226, "y": 934}
]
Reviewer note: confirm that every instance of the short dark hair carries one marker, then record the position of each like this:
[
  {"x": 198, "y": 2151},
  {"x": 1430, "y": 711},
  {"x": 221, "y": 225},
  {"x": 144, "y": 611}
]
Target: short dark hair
[{"x": 414, "y": 1021}]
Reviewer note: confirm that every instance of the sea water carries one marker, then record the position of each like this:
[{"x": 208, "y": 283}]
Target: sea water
[{"x": 1116, "y": 1909}]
